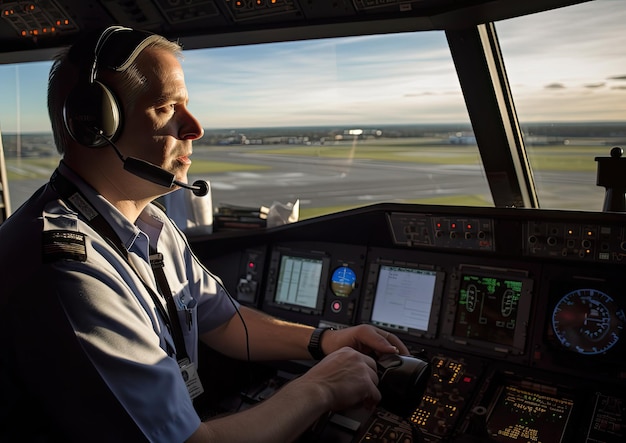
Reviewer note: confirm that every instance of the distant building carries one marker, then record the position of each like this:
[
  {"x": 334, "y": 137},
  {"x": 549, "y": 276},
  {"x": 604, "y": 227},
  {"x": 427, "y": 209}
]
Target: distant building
[
  {"x": 234, "y": 139},
  {"x": 462, "y": 138},
  {"x": 359, "y": 133}
]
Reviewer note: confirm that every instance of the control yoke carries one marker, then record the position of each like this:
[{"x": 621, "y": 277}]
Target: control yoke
[{"x": 402, "y": 382}]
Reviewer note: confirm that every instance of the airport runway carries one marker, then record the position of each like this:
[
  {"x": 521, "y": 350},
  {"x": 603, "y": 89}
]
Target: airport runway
[{"x": 324, "y": 182}]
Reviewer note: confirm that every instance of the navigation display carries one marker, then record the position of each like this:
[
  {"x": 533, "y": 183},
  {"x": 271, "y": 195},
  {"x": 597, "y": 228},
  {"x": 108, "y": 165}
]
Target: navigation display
[
  {"x": 492, "y": 309},
  {"x": 407, "y": 298}
]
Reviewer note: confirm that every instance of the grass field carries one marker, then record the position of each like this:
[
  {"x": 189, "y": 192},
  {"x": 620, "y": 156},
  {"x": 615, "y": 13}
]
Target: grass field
[
  {"x": 579, "y": 158},
  {"x": 545, "y": 158},
  {"x": 424, "y": 151},
  {"x": 43, "y": 167}
]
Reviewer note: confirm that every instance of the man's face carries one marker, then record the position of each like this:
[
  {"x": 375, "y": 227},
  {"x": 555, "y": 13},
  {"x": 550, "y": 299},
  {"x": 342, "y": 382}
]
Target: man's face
[{"x": 160, "y": 128}]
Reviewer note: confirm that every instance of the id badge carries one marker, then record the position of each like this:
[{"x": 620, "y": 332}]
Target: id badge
[{"x": 190, "y": 375}]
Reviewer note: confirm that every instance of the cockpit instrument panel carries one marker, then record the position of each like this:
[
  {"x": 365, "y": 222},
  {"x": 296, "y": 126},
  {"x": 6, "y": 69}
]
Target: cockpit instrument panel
[
  {"x": 587, "y": 321},
  {"x": 524, "y": 330},
  {"x": 343, "y": 281},
  {"x": 314, "y": 283},
  {"x": 404, "y": 297},
  {"x": 298, "y": 280},
  {"x": 521, "y": 414},
  {"x": 490, "y": 309}
]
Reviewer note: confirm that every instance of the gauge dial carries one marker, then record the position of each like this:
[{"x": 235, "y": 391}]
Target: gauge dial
[
  {"x": 588, "y": 321},
  {"x": 342, "y": 281}
]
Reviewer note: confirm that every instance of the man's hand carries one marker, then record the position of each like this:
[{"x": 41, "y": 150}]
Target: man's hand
[
  {"x": 366, "y": 339},
  {"x": 344, "y": 378}
]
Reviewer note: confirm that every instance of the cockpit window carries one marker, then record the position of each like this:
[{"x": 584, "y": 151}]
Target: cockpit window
[
  {"x": 335, "y": 123},
  {"x": 332, "y": 123},
  {"x": 567, "y": 72}
]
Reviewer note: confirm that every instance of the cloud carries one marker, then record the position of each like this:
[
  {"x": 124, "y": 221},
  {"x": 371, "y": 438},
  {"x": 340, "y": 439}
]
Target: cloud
[
  {"x": 555, "y": 86},
  {"x": 388, "y": 78},
  {"x": 595, "y": 85},
  {"x": 421, "y": 94}
]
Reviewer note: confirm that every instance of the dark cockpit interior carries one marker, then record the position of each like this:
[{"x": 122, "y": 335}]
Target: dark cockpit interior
[
  {"x": 38, "y": 25},
  {"x": 519, "y": 313},
  {"x": 519, "y": 310}
]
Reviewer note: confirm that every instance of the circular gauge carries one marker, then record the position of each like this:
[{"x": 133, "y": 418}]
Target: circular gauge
[
  {"x": 342, "y": 281},
  {"x": 588, "y": 321}
]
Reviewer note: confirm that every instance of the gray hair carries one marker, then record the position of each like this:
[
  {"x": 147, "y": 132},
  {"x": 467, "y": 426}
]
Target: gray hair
[{"x": 68, "y": 70}]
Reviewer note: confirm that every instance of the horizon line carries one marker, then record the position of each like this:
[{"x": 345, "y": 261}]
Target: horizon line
[{"x": 369, "y": 125}]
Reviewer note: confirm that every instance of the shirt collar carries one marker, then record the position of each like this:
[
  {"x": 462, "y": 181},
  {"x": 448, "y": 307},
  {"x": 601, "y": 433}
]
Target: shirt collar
[{"x": 149, "y": 220}]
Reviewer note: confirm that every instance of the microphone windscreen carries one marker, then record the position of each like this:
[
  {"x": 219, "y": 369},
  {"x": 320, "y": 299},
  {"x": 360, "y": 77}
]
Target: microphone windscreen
[{"x": 202, "y": 188}]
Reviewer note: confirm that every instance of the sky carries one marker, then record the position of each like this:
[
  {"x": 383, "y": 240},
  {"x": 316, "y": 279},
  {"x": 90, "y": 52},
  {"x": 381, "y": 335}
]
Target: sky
[{"x": 563, "y": 65}]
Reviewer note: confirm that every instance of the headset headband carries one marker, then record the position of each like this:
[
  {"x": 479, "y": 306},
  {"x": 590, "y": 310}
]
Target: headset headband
[
  {"x": 118, "y": 47},
  {"x": 91, "y": 112}
]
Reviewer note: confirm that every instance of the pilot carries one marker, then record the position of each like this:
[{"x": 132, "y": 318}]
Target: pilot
[{"x": 103, "y": 303}]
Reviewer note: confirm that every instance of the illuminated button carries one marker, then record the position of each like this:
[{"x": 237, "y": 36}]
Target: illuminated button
[{"x": 336, "y": 306}]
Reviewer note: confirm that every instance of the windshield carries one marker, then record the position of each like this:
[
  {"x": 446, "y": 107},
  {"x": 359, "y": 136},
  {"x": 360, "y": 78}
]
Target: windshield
[{"x": 567, "y": 72}]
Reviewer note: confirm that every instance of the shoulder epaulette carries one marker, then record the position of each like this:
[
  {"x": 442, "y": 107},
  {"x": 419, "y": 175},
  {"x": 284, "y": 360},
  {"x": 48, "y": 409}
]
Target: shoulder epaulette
[{"x": 63, "y": 245}]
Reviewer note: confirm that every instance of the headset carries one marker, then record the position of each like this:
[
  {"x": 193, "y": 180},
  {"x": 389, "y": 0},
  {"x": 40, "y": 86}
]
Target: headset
[
  {"x": 91, "y": 112},
  {"x": 93, "y": 115}
]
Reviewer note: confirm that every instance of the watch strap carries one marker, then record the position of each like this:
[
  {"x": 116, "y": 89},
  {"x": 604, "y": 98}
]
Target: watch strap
[{"x": 315, "y": 343}]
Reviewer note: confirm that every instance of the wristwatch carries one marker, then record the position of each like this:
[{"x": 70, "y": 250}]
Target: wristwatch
[{"x": 315, "y": 343}]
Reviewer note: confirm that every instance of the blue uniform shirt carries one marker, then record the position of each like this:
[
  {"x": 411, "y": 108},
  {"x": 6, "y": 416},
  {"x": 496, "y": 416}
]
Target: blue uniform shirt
[{"x": 88, "y": 351}]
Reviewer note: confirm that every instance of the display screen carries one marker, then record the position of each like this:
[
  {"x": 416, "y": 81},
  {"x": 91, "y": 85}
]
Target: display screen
[
  {"x": 404, "y": 298},
  {"x": 488, "y": 308},
  {"x": 299, "y": 280},
  {"x": 588, "y": 321},
  {"x": 521, "y": 415},
  {"x": 608, "y": 422},
  {"x": 491, "y": 308}
]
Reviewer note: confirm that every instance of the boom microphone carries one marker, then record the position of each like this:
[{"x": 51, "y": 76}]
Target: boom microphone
[
  {"x": 154, "y": 173},
  {"x": 160, "y": 176}
]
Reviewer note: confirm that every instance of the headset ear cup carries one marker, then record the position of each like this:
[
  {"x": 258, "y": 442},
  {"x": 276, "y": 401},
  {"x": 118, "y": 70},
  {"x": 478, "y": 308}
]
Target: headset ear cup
[{"x": 91, "y": 109}]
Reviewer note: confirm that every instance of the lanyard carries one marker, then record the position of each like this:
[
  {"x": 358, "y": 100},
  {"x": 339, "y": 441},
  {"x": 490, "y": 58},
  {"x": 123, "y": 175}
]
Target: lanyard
[
  {"x": 156, "y": 263},
  {"x": 75, "y": 199}
]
